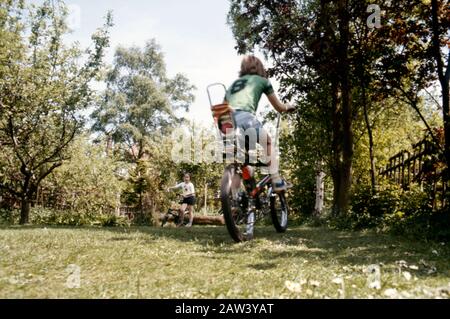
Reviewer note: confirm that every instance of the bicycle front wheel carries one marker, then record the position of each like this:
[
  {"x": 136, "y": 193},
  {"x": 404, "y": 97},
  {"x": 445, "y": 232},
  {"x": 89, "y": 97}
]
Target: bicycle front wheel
[
  {"x": 279, "y": 211},
  {"x": 233, "y": 197}
]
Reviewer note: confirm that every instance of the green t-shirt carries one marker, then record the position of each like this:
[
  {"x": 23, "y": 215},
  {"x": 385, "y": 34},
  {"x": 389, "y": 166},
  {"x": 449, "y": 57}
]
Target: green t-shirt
[{"x": 245, "y": 93}]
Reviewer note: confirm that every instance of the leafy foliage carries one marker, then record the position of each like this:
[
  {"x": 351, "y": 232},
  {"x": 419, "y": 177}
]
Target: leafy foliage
[
  {"x": 325, "y": 52},
  {"x": 43, "y": 89},
  {"x": 54, "y": 217},
  {"x": 140, "y": 101},
  {"x": 90, "y": 180},
  {"x": 407, "y": 213}
]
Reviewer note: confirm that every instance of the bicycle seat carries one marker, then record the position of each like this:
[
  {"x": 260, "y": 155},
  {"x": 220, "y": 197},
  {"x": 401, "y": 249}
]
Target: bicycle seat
[{"x": 223, "y": 117}]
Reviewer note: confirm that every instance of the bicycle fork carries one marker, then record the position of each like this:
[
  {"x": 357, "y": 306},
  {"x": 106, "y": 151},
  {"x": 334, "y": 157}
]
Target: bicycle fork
[
  {"x": 250, "y": 219},
  {"x": 253, "y": 201},
  {"x": 250, "y": 224}
]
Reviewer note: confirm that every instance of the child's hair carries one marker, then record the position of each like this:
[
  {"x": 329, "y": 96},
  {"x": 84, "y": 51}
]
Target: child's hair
[{"x": 251, "y": 65}]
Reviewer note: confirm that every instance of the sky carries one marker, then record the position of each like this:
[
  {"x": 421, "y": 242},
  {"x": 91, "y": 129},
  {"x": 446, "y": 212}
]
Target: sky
[{"x": 193, "y": 35}]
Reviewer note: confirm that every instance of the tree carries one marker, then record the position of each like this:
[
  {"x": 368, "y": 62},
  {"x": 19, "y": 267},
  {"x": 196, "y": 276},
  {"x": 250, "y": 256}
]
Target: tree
[
  {"x": 43, "y": 88},
  {"x": 415, "y": 37},
  {"x": 305, "y": 144},
  {"x": 205, "y": 172},
  {"x": 140, "y": 100},
  {"x": 137, "y": 109},
  {"x": 89, "y": 181},
  {"x": 395, "y": 128},
  {"x": 440, "y": 24},
  {"x": 357, "y": 65},
  {"x": 308, "y": 38}
]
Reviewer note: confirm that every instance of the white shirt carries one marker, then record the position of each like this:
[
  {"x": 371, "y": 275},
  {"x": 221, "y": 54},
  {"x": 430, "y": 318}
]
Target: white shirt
[{"x": 188, "y": 189}]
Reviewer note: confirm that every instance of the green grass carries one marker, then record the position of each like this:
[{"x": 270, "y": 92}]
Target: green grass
[{"x": 203, "y": 262}]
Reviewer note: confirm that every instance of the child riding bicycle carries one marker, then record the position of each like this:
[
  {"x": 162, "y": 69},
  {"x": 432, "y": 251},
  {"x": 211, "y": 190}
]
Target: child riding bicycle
[{"x": 243, "y": 97}]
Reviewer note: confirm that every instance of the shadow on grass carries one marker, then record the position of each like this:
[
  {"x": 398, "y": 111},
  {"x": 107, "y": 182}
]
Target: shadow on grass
[
  {"x": 329, "y": 246},
  {"x": 362, "y": 249},
  {"x": 207, "y": 235}
]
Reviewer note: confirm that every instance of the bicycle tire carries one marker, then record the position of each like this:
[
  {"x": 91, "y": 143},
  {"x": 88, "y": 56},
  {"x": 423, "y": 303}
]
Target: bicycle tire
[
  {"x": 279, "y": 219},
  {"x": 227, "y": 205}
]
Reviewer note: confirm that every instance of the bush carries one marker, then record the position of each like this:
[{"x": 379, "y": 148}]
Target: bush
[
  {"x": 110, "y": 220},
  {"x": 369, "y": 211},
  {"x": 144, "y": 219},
  {"x": 394, "y": 210},
  {"x": 8, "y": 216},
  {"x": 416, "y": 218},
  {"x": 45, "y": 216}
]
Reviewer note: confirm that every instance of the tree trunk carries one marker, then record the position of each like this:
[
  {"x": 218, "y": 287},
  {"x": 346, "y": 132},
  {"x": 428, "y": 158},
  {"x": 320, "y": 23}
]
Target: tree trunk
[
  {"x": 25, "y": 210},
  {"x": 344, "y": 156},
  {"x": 199, "y": 220},
  {"x": 444, "y": 77},
  {"x": 343, "y": 203},
  {"x": 336, "y": 192},
  {"x": 370, "y": 134},
  {"x": 336, "y": 148},
  {"x": 320, "y": 192},
  {"x": 445, "y": 104},
  {"x": 343, "y": 200},
  {"x": 446, "y": 116}
]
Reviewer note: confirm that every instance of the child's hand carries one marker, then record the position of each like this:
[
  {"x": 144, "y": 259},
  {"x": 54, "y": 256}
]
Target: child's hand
[{"x": 290, "y": 108}]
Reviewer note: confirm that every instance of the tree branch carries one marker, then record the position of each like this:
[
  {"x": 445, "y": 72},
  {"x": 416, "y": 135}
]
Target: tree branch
[
  {"x": 14, "y": 141},
  {"x": 49, "y": 171},
  {"x": 59, "y": 148},
  {"x": 413, "y": 104},
  {"x": 434, "y": 100}
]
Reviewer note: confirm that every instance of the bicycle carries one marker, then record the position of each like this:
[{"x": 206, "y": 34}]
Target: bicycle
[
  {"x": 173, "y": 215},
  {"x": 244, "y": 199}
]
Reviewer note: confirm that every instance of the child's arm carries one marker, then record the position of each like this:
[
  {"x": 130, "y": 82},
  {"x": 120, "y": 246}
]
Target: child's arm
[
  {"x": 276, "y": 103},
  {"x": 173, "y": 188}
]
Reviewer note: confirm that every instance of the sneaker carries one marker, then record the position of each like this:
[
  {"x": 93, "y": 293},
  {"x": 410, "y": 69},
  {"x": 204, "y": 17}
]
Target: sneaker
[
  {"x": 189, "y": 225},
  {"x": 279, "y": 186}
]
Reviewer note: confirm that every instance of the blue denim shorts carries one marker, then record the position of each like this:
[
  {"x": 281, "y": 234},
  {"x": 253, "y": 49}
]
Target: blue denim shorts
[{"x": 248, "y": 125}]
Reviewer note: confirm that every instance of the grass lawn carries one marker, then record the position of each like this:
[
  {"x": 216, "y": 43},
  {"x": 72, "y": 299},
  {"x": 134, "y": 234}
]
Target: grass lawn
[{"x": 203, "y": 262}]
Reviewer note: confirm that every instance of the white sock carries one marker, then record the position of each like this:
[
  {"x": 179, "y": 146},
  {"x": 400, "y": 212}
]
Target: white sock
[{"x": 275, "y": 178}]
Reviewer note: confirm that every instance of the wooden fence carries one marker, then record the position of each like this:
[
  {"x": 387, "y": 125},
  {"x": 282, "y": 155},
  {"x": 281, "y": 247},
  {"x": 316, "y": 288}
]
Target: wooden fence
[{"x": 420, "y": 166}]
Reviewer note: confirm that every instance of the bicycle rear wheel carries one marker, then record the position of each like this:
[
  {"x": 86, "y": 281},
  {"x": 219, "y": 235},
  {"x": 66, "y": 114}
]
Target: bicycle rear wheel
[
  {"x": 279, "y": 211},
  {"x": 233, "y": 198}
]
